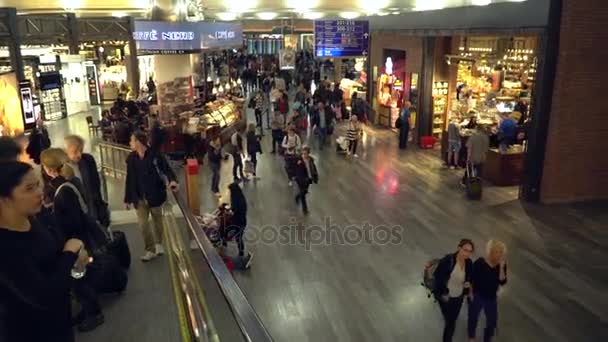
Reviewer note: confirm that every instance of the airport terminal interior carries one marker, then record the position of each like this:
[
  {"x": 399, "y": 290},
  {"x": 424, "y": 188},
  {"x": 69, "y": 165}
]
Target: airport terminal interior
[{"x": 327, "y": 170}]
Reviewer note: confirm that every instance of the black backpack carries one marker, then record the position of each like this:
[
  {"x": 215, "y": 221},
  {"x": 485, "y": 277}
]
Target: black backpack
[{"x": 428, "y": 276}]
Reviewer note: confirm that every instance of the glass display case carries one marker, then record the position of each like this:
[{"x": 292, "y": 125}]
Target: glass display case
[{"x": 220, "y": 113}]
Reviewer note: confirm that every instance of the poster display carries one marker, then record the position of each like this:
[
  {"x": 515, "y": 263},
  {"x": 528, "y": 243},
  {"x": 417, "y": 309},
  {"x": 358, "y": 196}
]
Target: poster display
[{"x": 11, "y": 115}]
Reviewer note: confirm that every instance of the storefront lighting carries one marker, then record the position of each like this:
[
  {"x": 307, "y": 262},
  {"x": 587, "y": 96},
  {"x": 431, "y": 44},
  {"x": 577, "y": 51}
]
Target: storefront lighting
[
  {"x": 101, "y": 49},
  {"x": 349, "y": 15},
  {"x": 267, "y": 15},
  {"x": 226, "y": 16},
  {"x": 209, "y": 79},
  {"x": 220, "y": 89},
  {"x": 71, "y": 5},
  {"x": 119, "y": 14},
  {"x": 227, "y": 87},
  {"x": 214, "y": 91},
  {"x": 239, "y": 82}
]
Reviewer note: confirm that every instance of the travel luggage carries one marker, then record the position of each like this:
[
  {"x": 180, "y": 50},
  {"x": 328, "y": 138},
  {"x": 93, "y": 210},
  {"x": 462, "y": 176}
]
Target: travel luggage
[
  {"x": 473, "y": 185},
  {"x": 106, "y": 274},
  {"x": 119, "y": 248}
]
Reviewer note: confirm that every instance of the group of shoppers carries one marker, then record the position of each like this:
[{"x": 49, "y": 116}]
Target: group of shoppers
[
  {"x": 457, "y": 277},
  {"x": 51, "y": 219}
]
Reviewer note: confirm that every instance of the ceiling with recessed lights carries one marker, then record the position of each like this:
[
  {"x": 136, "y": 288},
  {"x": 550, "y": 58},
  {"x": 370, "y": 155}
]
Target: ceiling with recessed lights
[{"x": 242, "y": 9}]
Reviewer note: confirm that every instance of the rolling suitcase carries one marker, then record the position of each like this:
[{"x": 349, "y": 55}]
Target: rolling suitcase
[
  {"x": 473, "y": 185},
  {"x": 119, "y": 247}
]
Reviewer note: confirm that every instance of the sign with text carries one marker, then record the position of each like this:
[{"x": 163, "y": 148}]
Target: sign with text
[
  {"x": 161, "y": 37},
  {"x": 341, "y": 38}
]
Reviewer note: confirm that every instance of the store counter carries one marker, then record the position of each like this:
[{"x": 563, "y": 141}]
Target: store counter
[{"x": 504, "y": 169}]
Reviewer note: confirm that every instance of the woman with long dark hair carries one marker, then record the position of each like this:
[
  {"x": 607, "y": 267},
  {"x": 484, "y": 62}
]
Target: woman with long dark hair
[
  {"x": 35, "y": 272},
  {"x": 238, "y": 222},
  {"x": 452, "y": 282}
]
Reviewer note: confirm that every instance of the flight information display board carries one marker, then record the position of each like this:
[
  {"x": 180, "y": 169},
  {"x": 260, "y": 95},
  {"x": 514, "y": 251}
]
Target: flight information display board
[{"x": 341, "y": 38}]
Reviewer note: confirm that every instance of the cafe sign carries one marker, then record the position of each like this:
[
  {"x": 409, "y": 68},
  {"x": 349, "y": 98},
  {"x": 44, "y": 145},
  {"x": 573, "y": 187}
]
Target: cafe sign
[{"x": 185, "y": 37}]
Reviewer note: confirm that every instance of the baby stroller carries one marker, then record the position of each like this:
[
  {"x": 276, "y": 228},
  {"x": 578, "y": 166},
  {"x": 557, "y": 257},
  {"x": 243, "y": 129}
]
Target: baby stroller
[
  {"x": 215, "y": 225},
  {"x": 342, "y": 145}
]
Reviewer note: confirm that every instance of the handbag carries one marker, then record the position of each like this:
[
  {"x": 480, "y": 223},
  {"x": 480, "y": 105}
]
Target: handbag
[{"x": 398, "y": 123}]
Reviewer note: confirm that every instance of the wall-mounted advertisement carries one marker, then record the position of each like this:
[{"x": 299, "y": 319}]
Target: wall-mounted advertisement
[
  {"x": 160, "y": 37},
  {"x": 11, "y": 115}
]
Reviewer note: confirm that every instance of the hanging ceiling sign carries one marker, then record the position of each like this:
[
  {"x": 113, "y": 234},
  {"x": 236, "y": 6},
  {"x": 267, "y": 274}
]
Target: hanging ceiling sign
[
  {"x": 341, "y": 38},
  {"x": 161, "y": 37}
]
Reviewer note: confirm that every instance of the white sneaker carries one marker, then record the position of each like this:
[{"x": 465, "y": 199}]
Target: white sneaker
[
  {"x": 148, "y": 256},
  {"x": 290, "y": 183},
  {"x": 193, "y": 245},
  {"x": 160, "y": 250}
]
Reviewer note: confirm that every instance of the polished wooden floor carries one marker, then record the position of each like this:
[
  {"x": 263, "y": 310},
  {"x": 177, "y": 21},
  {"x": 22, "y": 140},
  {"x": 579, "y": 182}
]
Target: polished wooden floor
[{"x": 370, "y": 291}]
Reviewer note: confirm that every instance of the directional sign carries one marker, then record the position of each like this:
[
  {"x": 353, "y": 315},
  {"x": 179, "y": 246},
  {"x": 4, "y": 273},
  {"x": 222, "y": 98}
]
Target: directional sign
[{"x": 341, "y": 38}]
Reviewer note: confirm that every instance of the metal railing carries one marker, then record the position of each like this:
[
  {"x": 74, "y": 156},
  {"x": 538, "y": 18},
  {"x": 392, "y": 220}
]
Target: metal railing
[
  {"x": 113, "y": 158},
  {"x": 197, "y": 317}
]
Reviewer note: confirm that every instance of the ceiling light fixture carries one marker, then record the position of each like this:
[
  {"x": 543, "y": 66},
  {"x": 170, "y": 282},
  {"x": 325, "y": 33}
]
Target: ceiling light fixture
[
  {"x": 395, "y": 13},
  {"x": 301, "y": 6},
  {"x": 349, "y": 15},
  {"x": 382, "y": 14},
  {"x": 373, "y": 6},
  {"x": 240, "y": 6},
  {"x": 429, "y": 5},
  {"x": 481, "y": 2},
  {"x": 267, "y": 15},
  {"x": 119, "y": 14},
  {"x": 71, "y": 5},
  {"x": 226, "y": 16},
  {"x": 312, "y": 15}
]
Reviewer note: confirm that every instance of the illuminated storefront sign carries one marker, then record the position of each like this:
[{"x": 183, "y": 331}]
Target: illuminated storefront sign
[{"x": 170, "y": 38}]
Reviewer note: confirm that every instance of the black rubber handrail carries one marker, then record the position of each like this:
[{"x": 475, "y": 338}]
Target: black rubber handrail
[{"x": 250, "y": 324}]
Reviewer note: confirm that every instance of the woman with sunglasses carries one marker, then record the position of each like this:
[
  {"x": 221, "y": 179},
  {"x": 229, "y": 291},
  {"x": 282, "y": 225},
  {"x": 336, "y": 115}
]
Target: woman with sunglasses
[{"x": 452, "y": 282}]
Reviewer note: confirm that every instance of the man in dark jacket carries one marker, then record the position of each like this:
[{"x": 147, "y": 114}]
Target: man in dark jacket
[
  {"x": 306, "y": 174},
  {"x": 85, "y": 169},
  {"x": 145, "y": 189}
]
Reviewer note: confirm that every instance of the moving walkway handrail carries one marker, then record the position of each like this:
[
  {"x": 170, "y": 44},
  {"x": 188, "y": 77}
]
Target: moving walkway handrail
[{"x": 250, "y": 324}]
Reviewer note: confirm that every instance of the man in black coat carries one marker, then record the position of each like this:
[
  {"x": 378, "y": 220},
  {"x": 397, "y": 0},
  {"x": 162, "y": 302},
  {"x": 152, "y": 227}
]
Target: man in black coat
[
  {"x": 85, "y": 169},
  {"x": 145, "y": 189},
  {"x": 306, "y": 174}
]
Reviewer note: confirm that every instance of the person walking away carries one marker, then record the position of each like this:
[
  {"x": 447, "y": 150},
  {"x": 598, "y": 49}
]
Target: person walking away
[
  {"x": 507, "y": 131},
  {"x": 291, "y": 145},
  {"x": 489, "y": 273},
  {"x": 320, "y": 124},
  {"x": 278, "y": 128},
  {"x": 404, "y": 130},
  {"x": 253, "y": 148},
  {"x": 258, "y": 107},
  {"x": 70, "y": 214},
  {"x": 477, "y": 149},
  {"x": 146, "y": 191},
  {"x": 215, "y": 163},
  {"x": 283, "y": 103},
  {"x": 306, "y": 174},
  {"x": 353, "y": 133},
  {"x": 454, "y": 144},
  {"x": 85, "y": 169},
  {"x": 238, "y": 223},
  {"x": 35, "y": 272},
  {"x": 237, "y": 154},
  {"x": 453, "y": 282}
]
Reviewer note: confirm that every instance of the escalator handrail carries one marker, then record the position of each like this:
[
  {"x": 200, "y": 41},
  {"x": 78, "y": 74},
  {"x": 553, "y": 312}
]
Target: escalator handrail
[{"x": 250, "y": 324}]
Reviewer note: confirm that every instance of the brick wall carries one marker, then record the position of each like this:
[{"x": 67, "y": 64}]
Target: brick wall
[{"x": 576, "y": 159}]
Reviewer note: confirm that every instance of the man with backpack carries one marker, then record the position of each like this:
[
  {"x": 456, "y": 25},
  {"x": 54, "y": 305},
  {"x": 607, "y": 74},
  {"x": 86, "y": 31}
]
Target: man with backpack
[
  {"x": 449, "y": 281},
  {"x": 145, "y": 190}
]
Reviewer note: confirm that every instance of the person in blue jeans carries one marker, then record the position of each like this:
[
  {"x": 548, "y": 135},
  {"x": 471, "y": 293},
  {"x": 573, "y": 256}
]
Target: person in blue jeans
[{"x": 489, "y": 274}]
